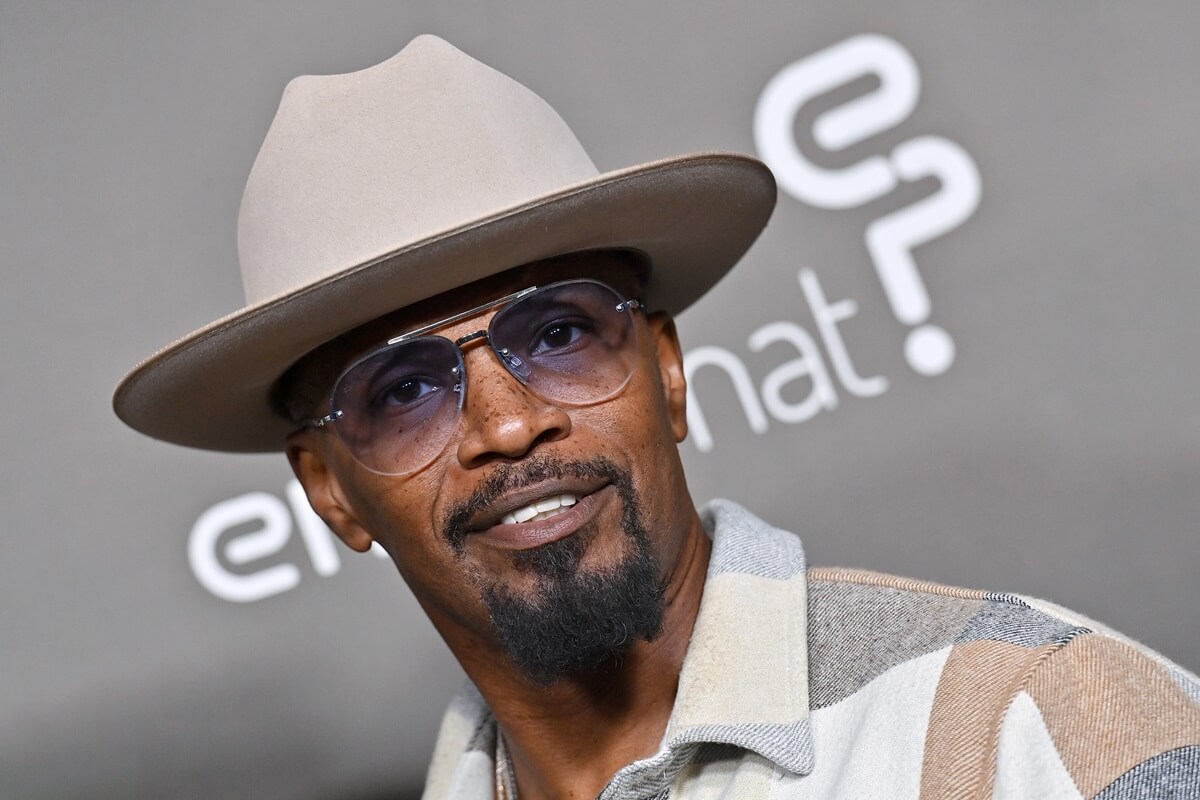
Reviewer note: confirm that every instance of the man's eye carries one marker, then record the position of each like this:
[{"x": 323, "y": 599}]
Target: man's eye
[
  {"x": 560, "y": 335},
  {"x": 405, "y": 391}
]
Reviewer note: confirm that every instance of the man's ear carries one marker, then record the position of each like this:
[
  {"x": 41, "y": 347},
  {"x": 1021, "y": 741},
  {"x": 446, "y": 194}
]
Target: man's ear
[
  {"x": 324, "y": 491},
  {"x": 670, "y": 370}
]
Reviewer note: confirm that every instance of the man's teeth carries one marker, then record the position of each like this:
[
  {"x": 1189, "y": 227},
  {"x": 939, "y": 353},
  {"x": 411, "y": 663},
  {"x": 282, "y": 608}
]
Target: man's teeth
[{"x": 541, "y": 509}]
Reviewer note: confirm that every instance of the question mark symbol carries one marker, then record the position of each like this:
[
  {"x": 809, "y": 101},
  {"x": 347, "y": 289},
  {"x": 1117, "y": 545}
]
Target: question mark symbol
[{"x": 928, "y": 349}]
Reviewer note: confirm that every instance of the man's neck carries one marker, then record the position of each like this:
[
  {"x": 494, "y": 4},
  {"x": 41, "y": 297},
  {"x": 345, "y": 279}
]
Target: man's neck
[{"x": 570, "y": 738}]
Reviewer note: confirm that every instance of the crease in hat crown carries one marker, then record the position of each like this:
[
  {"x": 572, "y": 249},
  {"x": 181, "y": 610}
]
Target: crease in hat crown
[{"x": 359, "y": 165}]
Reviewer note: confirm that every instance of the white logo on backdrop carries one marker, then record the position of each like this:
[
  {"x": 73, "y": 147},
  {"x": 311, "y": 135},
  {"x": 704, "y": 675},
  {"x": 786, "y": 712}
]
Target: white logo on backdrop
[
  {"x": 232, "y": 537},
  {"x": 253, "y": 527},
  {"x": 928, "y": 349}
]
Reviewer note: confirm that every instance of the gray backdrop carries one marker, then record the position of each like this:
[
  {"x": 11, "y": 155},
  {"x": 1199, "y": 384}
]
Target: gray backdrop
[{"x": 1028, "y": 170}]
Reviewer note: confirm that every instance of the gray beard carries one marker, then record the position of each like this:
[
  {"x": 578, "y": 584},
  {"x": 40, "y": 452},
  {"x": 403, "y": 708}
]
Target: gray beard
[{"x": 577, "y": 621}]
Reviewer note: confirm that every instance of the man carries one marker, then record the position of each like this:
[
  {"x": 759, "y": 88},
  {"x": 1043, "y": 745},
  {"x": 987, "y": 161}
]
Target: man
[{"x": 461, "y": 335}]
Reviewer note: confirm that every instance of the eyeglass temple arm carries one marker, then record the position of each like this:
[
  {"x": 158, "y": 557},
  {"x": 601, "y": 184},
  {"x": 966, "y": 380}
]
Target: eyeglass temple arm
[{"x": 321, "y": 422}]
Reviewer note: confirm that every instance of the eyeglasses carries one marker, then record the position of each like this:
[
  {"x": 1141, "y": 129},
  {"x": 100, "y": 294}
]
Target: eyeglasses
[{"x": 572, "y": 343}]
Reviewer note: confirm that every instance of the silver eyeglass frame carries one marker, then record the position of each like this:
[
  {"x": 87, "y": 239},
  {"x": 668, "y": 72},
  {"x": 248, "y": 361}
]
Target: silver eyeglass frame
[{"x": 482, "y": 333}]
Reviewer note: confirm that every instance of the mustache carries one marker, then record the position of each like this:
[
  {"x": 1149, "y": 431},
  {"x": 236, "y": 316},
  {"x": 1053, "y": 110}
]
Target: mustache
[{"x": 509, "y": 477}]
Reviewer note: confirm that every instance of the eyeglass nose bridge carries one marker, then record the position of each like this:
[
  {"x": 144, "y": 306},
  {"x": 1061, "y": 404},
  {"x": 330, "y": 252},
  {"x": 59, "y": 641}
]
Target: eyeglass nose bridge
[
  {"x": 514, "y": 364},
  {"x": 470, "y": 337}
]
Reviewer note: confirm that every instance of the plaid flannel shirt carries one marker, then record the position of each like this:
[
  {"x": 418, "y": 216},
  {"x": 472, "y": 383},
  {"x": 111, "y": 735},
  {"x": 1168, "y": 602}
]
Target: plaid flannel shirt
[{"x": 833, "y": 683}]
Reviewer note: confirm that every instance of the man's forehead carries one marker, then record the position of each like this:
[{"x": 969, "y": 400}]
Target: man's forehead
[{"x": 622, "y": 269}]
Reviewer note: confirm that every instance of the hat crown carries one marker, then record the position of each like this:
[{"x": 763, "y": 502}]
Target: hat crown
[{"x": 359, "y": 165}]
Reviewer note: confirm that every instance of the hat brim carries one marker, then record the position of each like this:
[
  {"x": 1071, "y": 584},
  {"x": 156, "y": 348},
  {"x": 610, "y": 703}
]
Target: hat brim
[{"x": 693, "y": 216}]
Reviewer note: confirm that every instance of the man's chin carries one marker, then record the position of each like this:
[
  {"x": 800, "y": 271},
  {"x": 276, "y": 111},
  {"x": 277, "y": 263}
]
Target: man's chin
[{"x": 578, "y": 620}]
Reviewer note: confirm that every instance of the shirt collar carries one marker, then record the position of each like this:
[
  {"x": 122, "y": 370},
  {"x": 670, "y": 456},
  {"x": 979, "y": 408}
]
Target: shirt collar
[{"x": 744, "y": 680}]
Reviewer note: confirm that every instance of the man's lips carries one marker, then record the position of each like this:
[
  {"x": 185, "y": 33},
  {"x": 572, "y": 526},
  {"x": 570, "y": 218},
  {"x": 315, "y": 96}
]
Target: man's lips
[{"x": 497, "y": 526}]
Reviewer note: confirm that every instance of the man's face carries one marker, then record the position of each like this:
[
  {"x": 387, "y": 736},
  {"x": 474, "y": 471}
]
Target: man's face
[{"x": 597, "y": 565}]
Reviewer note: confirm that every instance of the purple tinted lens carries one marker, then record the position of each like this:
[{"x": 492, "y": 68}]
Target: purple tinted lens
[
  {"x": 400, "y": 404},
  {"x": 568, "y": 342}
]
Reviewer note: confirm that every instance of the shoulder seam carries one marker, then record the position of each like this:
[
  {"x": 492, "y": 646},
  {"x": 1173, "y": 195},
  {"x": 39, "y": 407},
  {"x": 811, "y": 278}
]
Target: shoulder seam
[{"x": 868, "y": 577}]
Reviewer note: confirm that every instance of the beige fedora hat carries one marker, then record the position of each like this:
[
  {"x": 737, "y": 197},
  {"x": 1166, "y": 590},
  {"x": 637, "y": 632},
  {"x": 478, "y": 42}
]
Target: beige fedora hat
[{"x": 380, "y": 188}]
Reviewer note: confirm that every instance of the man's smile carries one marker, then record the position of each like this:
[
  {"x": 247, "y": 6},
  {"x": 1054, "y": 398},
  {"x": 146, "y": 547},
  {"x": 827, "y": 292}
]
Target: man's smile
[
  {"x": 538, "y": 515},
  {"x": 542, "y": 509}
]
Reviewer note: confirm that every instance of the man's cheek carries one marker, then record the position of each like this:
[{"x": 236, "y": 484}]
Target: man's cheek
[
  {"x": 611, "y": 425},
  {"x": 405, "y": 507}
]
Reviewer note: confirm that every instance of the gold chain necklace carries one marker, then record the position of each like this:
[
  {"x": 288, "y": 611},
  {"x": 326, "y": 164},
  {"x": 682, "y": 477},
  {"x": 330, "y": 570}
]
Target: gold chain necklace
[{"x": 502, "y": 792}]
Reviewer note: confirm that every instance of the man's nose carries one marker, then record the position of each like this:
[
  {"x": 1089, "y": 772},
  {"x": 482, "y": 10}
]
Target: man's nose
[{"x": 503, "y": 419}]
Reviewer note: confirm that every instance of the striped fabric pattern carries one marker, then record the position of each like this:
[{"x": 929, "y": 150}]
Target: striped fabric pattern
[{"x": 838, "y": 683}]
